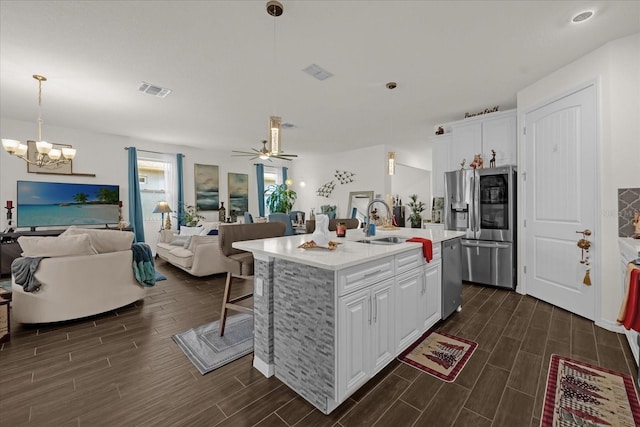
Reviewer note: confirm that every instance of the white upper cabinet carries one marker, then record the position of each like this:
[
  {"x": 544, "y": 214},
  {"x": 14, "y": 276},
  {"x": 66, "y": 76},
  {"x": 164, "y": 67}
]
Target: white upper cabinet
[
  {"x": 477, "y": 135},
  {"x": 440, "y": 155},
  {"x": 466, "y": 142},
  {"x": 499, "y": 134}
]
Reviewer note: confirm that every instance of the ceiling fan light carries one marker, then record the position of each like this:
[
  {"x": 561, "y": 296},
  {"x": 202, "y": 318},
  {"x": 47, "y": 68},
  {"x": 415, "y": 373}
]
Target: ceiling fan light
[
  {"x": 263, "y": 156},
  {"x": 274, "y": 134}
]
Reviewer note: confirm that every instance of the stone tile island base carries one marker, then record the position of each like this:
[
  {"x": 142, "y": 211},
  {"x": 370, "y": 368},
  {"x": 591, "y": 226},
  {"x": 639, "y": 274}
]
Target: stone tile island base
[{"x": 295, "y": 328}]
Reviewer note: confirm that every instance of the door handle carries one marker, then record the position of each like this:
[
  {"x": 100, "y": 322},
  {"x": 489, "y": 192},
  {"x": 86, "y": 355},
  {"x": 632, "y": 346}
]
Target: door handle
[
  {"x": 585, "y": 232},
  {"x": 369, "y": 310}
]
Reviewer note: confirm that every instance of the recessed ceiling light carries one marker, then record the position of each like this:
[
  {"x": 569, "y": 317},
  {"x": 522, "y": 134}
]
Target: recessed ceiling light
[{"x": 582, "y": 16}]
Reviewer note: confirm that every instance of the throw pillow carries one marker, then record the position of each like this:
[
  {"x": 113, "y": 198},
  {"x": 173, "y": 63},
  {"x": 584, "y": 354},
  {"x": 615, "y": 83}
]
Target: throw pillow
[
  {"x": 212, "y": 233},
  {"x": 34, "y": 246},
  {"x": 178, "y": 240},
  {"x": 190, "y": 231},
  {"x": 209, "y": 224}
]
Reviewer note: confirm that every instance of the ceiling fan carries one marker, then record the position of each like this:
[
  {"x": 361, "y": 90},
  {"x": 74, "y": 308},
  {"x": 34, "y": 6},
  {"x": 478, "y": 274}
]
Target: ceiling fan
[{"x": 263, "y": 153}]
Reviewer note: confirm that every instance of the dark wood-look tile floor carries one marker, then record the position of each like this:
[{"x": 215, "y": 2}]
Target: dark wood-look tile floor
[{"x": 123, "y": 369}]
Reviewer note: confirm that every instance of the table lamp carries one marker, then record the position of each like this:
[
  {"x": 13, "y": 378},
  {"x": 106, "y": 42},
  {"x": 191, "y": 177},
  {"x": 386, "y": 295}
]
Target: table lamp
[{"x": 162, "y": 208}]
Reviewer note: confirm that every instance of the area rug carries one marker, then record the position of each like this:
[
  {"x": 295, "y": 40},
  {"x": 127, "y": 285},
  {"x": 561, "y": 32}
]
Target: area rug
[
  {"x": 208, "y": 351},
  {"x": 439, "y": 354},
  {"x": 579, "y": 394}
]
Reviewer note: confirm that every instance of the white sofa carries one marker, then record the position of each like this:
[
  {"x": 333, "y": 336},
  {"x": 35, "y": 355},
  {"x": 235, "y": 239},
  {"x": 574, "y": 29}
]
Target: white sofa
[
  {"x": 200, "y": 257},
  {"x": 76, "y": 280}
]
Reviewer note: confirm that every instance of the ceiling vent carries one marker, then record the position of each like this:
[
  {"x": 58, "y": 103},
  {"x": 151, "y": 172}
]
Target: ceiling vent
[
  {"x": 317, "y": 72},
  {"x": 153, "y": 90}
]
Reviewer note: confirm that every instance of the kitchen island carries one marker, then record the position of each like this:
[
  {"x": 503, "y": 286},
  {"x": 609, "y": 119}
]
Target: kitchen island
[{"x": 325, "y": 322}]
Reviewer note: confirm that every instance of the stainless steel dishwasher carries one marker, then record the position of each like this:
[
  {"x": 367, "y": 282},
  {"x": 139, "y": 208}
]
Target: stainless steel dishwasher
[{"x": 451, "y": 276}]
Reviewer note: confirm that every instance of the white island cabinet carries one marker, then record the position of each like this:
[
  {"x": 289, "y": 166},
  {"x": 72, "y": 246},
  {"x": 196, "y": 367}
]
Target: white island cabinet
[{"x": 327, "y": 321}]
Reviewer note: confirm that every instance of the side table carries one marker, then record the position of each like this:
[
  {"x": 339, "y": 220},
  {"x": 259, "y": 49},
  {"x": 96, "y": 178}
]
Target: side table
[{"x": 5, "y": 316}]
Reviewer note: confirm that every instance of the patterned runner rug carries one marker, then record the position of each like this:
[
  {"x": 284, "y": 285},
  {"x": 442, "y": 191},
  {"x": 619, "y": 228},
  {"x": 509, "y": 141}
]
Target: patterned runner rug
[
  {"x": 579, "y": 394},
  {"x": 439, "y": 354}
]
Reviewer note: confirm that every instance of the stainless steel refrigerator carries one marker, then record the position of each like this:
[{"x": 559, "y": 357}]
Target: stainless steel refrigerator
[{"x": 481, "y": 203}]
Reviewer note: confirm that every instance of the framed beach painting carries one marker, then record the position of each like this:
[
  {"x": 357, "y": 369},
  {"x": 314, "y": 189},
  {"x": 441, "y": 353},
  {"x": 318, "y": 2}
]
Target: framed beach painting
[
  {"x": 207, "y": 185},
  {"x": 238, "y": 193}
]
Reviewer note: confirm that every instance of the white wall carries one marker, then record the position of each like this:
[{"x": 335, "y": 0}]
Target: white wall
[
  {"x": 616, "y": 67},
  {"x": 411, "y": 180},
  {"x": 369, "y": 166},
  {"x": 105, "y": 156}
]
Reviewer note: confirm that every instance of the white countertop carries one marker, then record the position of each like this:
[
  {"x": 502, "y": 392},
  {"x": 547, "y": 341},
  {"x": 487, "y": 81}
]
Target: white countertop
[
  {"x": 630, "y": 248},
  {"x": 348, "y": 254}
]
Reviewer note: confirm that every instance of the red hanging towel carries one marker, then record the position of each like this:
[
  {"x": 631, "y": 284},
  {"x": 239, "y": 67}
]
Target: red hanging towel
[
  {"x": 629, "y": 315},
  {"x": 427, "y": 247}
]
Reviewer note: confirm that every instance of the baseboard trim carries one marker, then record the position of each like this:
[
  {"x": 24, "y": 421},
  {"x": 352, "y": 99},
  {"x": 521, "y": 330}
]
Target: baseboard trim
[{"x": 263, "y": 367}]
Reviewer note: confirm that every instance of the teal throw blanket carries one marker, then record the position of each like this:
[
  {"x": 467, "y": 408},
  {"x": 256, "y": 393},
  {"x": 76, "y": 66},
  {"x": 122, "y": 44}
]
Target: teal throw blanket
[{"x": 143, "y": 267}]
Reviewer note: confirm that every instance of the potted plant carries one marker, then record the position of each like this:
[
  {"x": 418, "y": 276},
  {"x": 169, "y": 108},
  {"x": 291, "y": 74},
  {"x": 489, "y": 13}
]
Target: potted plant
[
  {"x": 190, "y": 216},
  {"x": 281, "y": 199},
  {"x": 416, "y": 208}
]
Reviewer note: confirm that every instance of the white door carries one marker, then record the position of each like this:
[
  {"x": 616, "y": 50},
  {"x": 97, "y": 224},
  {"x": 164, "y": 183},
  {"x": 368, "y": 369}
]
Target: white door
[
  {"x": 354, "y": 340},
  {"x": 383, "y": 320},
  {"x": 561, "y": 200}
]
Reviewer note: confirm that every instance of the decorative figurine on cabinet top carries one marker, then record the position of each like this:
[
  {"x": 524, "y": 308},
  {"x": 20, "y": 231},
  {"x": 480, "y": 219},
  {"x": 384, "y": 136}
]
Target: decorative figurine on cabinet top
[
  {"x": 477, "y": 162},
  {"x": 440, "y": 130},
  {"x": 492, "y": 162}
]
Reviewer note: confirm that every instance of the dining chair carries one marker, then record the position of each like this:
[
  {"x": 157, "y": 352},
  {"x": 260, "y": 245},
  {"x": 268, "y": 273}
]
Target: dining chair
[{"x": 283, "y": 217}]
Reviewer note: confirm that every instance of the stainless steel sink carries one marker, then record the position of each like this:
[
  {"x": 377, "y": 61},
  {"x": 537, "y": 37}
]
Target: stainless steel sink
[{"x": 391, "y": 240}]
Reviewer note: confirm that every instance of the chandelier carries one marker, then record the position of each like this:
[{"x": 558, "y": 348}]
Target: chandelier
[{"x": 47, "y": 154}]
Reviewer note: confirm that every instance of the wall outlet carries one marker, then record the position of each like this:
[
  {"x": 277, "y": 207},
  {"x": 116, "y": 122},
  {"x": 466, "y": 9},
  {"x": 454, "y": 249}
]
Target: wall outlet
[{"x": 258, "y": 287}]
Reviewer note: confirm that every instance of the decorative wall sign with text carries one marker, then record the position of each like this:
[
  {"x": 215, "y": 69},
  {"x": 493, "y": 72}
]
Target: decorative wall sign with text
[{"x": 485, "y": 111}]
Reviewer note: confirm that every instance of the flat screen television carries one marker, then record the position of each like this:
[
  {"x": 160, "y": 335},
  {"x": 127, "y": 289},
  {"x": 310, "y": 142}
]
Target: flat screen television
[{"x": 45, "y": 204}]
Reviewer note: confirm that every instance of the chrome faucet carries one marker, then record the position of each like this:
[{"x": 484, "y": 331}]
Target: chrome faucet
[{"x": 368, "y": 212}]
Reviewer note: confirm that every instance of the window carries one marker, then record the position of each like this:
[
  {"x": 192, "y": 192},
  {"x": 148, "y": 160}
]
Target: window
[
  {"x": 272, "y": 175},
  {"x": 157, "y": 186}
]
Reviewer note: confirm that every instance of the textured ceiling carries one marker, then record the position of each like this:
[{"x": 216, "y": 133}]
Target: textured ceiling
[{"x": 231, "y": 65}]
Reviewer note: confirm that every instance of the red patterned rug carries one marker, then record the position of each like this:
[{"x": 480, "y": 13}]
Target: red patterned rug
[
  {"x": 439, "y": 354},
  {"x": 579, "y": 394}
]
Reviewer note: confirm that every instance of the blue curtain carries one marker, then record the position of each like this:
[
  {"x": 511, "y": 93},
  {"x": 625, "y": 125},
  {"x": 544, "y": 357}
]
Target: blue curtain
[
  {"x": 135, "y": 205},
  {"x": 260, "y": 176},
  {"x": 180, "y": 179},
  {"x": 284, "y": 176}
]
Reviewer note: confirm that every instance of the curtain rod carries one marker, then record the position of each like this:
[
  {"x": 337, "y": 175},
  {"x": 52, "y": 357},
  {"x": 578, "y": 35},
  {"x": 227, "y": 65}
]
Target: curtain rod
[{"x": 154, "y": 152}]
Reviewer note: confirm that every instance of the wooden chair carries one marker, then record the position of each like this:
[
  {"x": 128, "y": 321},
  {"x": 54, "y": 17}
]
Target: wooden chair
[{"x": 240, "y": 263}]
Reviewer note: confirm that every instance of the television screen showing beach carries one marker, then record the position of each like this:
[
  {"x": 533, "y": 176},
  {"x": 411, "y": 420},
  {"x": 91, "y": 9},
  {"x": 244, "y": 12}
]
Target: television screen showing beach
[{"x": 42, "y": 204}]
